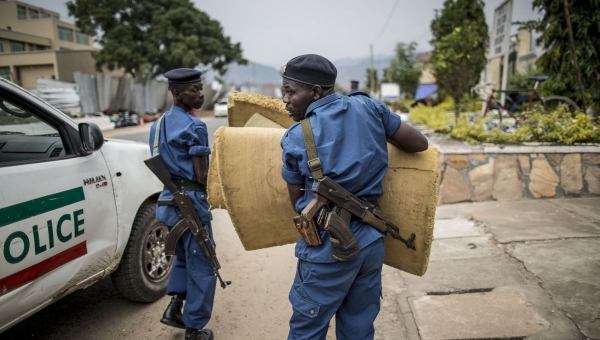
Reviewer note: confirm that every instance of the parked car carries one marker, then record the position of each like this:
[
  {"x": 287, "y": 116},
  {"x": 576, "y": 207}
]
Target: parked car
[
  {"x": 221, "y": 108},
  {"x": 74, "y": 208},
  {"x": 123, "y": 118}
]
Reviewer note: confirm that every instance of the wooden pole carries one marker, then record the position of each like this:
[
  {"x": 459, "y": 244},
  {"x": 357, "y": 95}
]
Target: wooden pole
[
  {"x": 575, "y": 63},
  {"x": 372, "y": 74}
]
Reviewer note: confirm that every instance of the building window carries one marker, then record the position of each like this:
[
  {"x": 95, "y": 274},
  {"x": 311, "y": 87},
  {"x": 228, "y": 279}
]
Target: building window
[
  {"x": 34, "y": 14},
  {"x": 5, "y": 73},
  {"x": 21, "y": 12},
  {"x": 82, "y": 38},
  {"x": 1, "y": 46},
  {"x": 65, "y": 34},
  {"x": 17, "y": 46},
  {"x": 55, "y": 17},
  {"x": 40, "y": 48},
  {"x": 31, "y": 47},
  {"x": 45, "y": 15},
  {"x": 534, "y": 37}
]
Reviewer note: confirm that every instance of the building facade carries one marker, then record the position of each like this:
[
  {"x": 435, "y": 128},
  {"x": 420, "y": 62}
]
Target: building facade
[
  {"x": 35, "y": 43},
  {"x": 523, "y": 51}
]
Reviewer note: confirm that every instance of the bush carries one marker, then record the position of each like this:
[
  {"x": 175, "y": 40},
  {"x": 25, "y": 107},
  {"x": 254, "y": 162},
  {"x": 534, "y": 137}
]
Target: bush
[
  {"x": 561, "y": 126},
  {"x": 558, "y": 126},
  {"x": 437, "y": 117},
  {"x": 479, "y": 130},
  {"x": 402, "y": 105}
]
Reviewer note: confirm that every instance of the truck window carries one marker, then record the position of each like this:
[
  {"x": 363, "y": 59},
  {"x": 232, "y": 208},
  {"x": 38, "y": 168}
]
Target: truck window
[{"x": 26, "y": 138}]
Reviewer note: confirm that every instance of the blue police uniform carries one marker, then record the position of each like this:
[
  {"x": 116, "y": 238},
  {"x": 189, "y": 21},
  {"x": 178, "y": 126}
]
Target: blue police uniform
[
  {"x": 350, "y": 134},
  {"x": 181, "y": 137}
]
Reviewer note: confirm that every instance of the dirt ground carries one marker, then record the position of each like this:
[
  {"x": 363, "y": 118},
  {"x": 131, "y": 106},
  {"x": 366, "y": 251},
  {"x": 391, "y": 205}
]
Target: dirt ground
[{"x": 254, "y": 306}]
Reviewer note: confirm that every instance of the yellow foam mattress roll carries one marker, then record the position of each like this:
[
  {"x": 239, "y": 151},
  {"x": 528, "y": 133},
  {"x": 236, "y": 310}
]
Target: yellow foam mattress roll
[{"x": 245, "y": 178}]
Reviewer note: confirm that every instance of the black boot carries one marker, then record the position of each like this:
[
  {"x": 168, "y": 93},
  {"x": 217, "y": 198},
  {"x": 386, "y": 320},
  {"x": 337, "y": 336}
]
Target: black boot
[
  {"x": 198, "y": 334},
  {"x": 172, "y": 315}
]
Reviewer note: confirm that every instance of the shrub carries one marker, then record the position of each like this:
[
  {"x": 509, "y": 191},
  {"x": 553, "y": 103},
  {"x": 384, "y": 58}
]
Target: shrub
[
  {"x": 559, "y": 126},
  {"x": 437, "y": 117},
  {"x": 402, "y": 105}
]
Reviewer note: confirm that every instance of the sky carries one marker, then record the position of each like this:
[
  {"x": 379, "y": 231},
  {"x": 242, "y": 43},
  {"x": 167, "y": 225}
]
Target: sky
[{"x": 271, "y": 32}]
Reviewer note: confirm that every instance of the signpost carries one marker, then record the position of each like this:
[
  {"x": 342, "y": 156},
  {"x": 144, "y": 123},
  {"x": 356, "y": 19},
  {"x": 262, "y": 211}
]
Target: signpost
[{"x": 499, "y": 41}]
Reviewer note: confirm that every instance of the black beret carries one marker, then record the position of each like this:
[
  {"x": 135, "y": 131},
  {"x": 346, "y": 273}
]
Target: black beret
[
  {"x": 310, "y": 69},
  {"x": 183, "y": 76},
  {"x": 354, "y": 81}
]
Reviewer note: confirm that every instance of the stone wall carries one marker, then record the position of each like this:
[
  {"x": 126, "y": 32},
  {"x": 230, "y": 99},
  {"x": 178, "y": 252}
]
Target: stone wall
[{"x": 510, "y": 176}]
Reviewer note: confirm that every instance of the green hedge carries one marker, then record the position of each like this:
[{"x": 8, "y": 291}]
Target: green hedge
[{"x": 559, "y": 126}]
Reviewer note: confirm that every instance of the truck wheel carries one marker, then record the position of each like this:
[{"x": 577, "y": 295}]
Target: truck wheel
[{"x": 143, "y": 273}]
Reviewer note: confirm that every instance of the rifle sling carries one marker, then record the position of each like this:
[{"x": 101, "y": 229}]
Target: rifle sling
[
  {"x": 157, "y": 136},
  {"x": 314, "y": 164}
]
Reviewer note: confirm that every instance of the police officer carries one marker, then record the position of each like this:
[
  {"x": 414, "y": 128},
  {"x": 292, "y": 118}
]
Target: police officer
[
  {"x": 350, "y": 135},
  {"x": 182, "y": 141},
  {"x": 353, "y": 86}
]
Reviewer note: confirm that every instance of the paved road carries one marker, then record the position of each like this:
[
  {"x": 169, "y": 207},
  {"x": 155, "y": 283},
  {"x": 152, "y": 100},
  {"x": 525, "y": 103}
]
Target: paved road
[{"x": 140, "y": 133}]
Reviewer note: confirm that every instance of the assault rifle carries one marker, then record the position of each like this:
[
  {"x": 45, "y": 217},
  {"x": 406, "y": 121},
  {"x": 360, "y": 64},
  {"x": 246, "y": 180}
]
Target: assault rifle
[
  {"x": 188, "y": 218},
  {"x": 326, "y": 190}
]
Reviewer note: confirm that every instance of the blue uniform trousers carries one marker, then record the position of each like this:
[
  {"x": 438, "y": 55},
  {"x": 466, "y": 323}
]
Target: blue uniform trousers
[
  {"x": 192, "y": 275},
  {"x": 349, "y": 290}
]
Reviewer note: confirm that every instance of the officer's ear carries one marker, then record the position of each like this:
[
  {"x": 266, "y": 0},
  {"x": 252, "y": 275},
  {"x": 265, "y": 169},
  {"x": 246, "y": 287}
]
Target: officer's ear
[
  {"x": 317, "y": 92},
  {"x": 176, "y": 93}
]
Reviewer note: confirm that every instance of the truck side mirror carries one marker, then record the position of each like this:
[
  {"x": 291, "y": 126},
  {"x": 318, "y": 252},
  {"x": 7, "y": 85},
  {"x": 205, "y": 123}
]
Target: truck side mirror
[{"x": 91, "y": 137}]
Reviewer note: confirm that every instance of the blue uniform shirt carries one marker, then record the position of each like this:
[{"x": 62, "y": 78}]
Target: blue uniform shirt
[
  {"x": 351, "y": 135},
  {"x": 181, "y": 137}
]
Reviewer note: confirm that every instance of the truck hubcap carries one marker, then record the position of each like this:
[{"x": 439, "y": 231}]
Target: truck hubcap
[{"x": 156, "y": 263}]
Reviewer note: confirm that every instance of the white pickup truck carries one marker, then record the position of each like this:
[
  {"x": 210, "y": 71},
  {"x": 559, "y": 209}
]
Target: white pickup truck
[{"x": 74, "y": 208}]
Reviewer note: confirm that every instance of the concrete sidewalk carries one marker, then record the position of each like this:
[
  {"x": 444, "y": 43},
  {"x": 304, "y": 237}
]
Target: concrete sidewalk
[
  {"x": 499, "y": 270},
  {"x": 508, "y": 270}
]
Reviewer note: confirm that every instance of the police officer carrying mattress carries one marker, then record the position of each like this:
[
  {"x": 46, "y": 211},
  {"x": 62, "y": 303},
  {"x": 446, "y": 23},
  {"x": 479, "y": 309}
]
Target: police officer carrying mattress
[
  {"x": 343, "y": 139},
  {"x": 182, "y": 141}
]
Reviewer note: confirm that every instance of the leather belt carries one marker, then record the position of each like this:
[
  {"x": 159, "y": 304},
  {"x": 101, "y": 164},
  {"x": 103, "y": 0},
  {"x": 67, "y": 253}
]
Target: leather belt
[{"x": 184, "y": 184}]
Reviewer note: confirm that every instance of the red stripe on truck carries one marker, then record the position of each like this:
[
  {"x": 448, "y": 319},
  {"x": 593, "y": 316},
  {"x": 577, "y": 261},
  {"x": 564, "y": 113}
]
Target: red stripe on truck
[{"x": 27, "y": 275}]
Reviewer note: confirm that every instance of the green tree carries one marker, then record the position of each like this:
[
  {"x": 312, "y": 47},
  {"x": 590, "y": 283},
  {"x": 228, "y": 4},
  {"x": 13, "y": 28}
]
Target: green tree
[
  {"x": 459, "y": 37},
  {"x": 557, "y": 60},
  {"x": 520, "y": 79},
  {"x": 404, "y": 69},
  {"x": 149, "y": 37},
  {"x": 372, "y": 79}
]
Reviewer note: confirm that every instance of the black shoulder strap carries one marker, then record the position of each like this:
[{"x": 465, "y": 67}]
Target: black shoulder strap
[{"x": 314, "y": 164}]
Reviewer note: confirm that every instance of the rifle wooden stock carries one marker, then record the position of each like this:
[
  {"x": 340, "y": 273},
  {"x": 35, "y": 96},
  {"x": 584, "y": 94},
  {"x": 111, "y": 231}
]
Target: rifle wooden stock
[
  {"x": 157, "y": 165},
  {"x": 375, "y": 222}
]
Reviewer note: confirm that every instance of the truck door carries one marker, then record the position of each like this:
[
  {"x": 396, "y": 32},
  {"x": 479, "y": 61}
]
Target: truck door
[{"x": 58, "y": 225}]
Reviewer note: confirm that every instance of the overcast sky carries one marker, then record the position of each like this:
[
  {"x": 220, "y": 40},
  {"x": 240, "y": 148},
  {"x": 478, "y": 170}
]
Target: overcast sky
[{"x": 273, "y": 31}]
